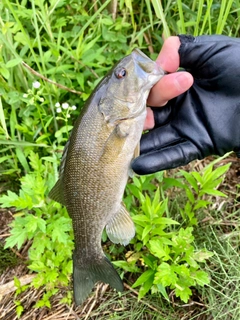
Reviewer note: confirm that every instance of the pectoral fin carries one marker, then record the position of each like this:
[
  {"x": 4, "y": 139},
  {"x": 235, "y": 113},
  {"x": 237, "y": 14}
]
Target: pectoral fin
[
  {"x": 136, "y": 151},
  {"x": 120, "y": 228},
  {"x": 131, "y": 173}
]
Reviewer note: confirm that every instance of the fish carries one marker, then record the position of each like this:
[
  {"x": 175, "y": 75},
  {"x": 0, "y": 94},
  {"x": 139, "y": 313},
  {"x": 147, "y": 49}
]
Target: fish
[{"x": 96, "y": 164}]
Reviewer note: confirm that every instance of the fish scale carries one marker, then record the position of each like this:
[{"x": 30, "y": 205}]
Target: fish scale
[{"x": 95, "y": 167}]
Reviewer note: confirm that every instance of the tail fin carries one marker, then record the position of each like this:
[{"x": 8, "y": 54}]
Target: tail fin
[{"x": 85, "y": 278}]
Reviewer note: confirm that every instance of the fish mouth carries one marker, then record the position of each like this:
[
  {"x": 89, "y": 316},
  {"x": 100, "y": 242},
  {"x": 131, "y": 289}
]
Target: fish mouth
[{"x": 147, "y": 69}]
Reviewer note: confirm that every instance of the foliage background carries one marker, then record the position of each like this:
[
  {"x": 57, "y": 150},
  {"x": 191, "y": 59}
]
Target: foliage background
[{"x": 74, "y": 43}]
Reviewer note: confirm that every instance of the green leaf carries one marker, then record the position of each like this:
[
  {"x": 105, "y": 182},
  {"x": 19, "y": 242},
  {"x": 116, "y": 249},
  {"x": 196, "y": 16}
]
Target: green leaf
[
  {"x": 165, "y": 275},
  {"x": 150, "y": 261},
  {"x": 198, "y": 177},
  {"x": 22, "y": 143},
  {"x": 134, "y": 190},
  {"x": 202, "y": 255},
  {"x": 218, "y": 172},
  {"x": 165, "y": 221},
  {"x": 12, "y": 63},
  {"x": 9, "y": 199},
  {"x": 18, "y": 237},
  {"x": 171, "y": 182},
  {"x": 191, "y": 180},
  {"x": 201, "y": 277},
  {"x": 4, "y": 71},
  {"x": 143, "y": 278},
  {"x": 19, "y": 310},
  {"x": 37, "y": 266},
  {"x": 137, "y": 182},
  {"x": 184, "y": 293},
  {"x": 140, "y": 218},
  {"x": 156, "y": 198},
  {"x": 190, "y": 195},
  {"x": 213, "y": 192},
  {"x": 159, "y": 249},
  {"x": 146, "y": 286},
  {"x": 201, "y": 204},
  {"x": 163, "y": 291},
  {"x": 59, "y": 229},
  {"x": 146, "y": 231},
  {"x": 128, "y": 267}
]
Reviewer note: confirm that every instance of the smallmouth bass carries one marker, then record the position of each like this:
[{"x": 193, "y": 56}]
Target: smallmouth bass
[{"x": 95, "y": 166}]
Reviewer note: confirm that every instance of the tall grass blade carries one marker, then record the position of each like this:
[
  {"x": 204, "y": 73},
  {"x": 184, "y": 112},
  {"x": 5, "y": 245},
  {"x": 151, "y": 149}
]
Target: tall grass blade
[
  {"x": 199, "y": 17},
  {"x": 2, "y": 120},
  {"x": 181, "y": 17},
  {"x": 223, "y": 15},
  {"x": 157, "y": 5}
]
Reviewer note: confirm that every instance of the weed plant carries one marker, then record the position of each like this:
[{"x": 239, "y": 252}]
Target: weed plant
[{"x": 52, "y": 55}]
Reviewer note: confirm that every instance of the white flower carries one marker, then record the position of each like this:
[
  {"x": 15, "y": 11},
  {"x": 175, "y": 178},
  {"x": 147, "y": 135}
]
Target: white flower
[
  {"x": 25, "y": 95},
  {"x": 68, "y": 115},
  {"x": 57, "y": 105},
  {"x": 59, "y": 110},
  {"x": 41, "y": 99},
  {"x": 74, "y": 107},
  {"x": 36, "y": 84},
  {"x": 65, "y": 105}
]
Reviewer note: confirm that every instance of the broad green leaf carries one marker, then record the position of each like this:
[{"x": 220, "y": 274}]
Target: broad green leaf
[
  {"x": 201, "y": 277},
  {"x": 184, "y": 293},
  {"x": 165, "y": 275},
  {"x": 159, "y": 249},
  {"x": 17, "y": 237},
  {"x": 37, "y": 266},
  {"x": 8, "y": 200},
  {"x": 146, "y": 286},
  {"x": 143, "y": 278}
]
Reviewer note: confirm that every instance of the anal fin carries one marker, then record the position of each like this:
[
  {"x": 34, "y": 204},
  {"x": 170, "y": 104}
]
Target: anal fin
[{"x": 121, "y": 229}]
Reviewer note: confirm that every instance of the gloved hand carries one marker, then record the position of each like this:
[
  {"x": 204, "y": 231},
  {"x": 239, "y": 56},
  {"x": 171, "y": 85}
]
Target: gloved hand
[{"x": 205, "y": 120}]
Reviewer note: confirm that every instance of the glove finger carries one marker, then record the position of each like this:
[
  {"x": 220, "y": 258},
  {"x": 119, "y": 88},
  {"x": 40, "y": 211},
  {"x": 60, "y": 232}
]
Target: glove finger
[
  {"x": 159, "y": 138},
  {"x": 162, "y": 114},
  {"x": 206, "y": 57},
  {"x": 167, "y": 158}
]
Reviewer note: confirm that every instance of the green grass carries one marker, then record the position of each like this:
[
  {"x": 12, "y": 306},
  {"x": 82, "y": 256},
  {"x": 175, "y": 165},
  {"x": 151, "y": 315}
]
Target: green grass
[{"x": 74, "y": 43}]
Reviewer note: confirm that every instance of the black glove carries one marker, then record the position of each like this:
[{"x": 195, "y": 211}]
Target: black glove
[{"x": 205, "y": 120}]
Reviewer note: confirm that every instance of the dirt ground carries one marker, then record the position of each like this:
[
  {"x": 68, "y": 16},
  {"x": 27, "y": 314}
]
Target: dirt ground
[{"x": 13, "y": 263}]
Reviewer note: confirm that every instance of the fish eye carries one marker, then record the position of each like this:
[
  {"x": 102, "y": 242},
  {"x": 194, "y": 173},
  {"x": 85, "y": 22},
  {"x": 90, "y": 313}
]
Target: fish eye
[{"x": 121, "y": 73}]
